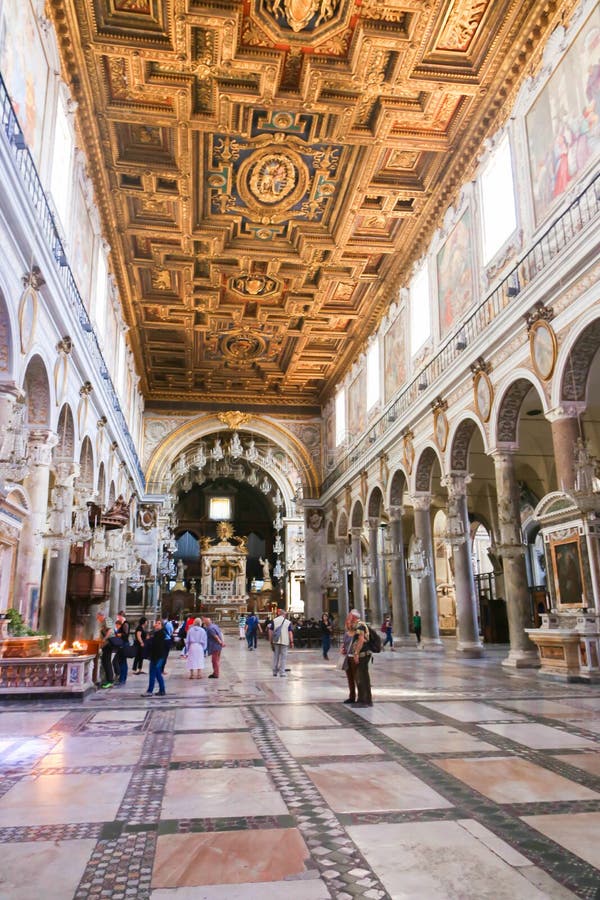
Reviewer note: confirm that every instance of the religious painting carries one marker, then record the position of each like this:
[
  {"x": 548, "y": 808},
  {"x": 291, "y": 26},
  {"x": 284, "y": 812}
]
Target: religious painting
[
  {"x": 83, "y": 249},
  {"x": 394, "y": 350},
  {"x": 543, "y": 348},
  {"x": 483, "y": 393},
  {"x": 563, "y": 125},
  {"x": 456, "y": 293},
  {"x": 440, "y": 428},
  {"x": 28, "y": 313},
  {"x": 567, "y": 571},
  {"x": 24, "y": 68},
  {"x": 357, "y": 413},
  {"x": 408, "y": 453}
]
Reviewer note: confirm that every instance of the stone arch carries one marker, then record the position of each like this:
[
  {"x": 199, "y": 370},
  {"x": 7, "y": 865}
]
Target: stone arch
[
  {"x": 398, "y": 485},
  {"x": 575, "y": 368},
  {"x": 424, "y": 469},
  {"x": 357, "y": 515},
  {"x": 331, "y": 533},
  {"x": 65, "y": 449},
  {"x": 6, "y": 341},
  {"x": 86, "y": 464},
  {"x": 101, "y": 484},
  {"x": 509, "y": 406},
  {"x": 460, "y": 441},
  {"x": 112, "y": 494},
  {"x": 375, "y": 504},
  {"x": 37, "y": 389},
  {"x": 342, "y": 525}
]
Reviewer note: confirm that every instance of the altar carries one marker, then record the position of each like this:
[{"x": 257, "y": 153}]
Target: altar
[{"x": 223, "y": 566}]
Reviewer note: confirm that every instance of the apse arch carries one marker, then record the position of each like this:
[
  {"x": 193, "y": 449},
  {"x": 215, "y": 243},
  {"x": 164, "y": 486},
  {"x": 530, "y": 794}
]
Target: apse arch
[
  {"x": 101, "y": 484},
  {"x": 342, "y": 525},
  {"x": 204, "y": 427},
  {"x": 375, "y": 504},
  {"x": 357, "y": 516},
  {"x": 86, "y": 464}
]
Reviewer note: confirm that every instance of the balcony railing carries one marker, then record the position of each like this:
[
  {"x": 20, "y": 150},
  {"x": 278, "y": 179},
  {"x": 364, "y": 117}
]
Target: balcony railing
[
  {"x": 41, "y": 208},
  {"x": 553, "y": 242}
]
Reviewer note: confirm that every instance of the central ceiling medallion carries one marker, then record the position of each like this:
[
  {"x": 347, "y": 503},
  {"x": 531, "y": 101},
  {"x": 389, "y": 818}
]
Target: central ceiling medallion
[
  {"x": 274, "y": 178},
  {"x": 242, "y": 346},
  {"x": 301, "y": 14},
  {"x": 254, "y": 285}
]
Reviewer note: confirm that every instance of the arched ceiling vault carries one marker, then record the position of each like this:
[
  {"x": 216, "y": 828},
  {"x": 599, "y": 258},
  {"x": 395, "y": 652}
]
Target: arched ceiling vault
[{"x": 268, "y": 171}]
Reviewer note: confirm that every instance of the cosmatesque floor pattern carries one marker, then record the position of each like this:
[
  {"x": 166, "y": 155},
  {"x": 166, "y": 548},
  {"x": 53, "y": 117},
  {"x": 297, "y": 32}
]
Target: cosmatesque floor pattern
[{"x": 462, "y": 781}]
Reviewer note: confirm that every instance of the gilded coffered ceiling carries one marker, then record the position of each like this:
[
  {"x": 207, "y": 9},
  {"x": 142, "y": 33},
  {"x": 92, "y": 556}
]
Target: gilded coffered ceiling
[{"x": 268, "y": 170}]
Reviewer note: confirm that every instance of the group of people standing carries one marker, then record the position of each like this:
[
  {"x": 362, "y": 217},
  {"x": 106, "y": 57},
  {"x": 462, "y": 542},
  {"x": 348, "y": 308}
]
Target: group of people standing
[{"x": 203, "y": 638}]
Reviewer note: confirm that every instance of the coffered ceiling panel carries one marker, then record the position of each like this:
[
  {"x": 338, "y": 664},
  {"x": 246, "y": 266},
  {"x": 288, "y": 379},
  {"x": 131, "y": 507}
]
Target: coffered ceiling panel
[{"x": 268, "y": 170}]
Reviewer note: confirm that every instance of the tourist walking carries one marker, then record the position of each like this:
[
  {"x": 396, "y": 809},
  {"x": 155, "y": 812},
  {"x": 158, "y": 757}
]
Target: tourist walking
[
  {"x": 195, "y": 648},
  {"x": 107, "y": 634},
  {"x": 359, "y": 657},
  {"x": 326, "y": 626},
  {"x": 417, "y": 626},
  {"x": 252, "y": 629},
  {"x": 281, "y": 635},
  {"x": 387, "y": 630},
  {"x": 157, "y": 657},
  {"x": 242, "y": 626},
  {"x": 345, "y": 651},
  {"x": 214, "y": 644},
  {"x": 139, "y": 640}
]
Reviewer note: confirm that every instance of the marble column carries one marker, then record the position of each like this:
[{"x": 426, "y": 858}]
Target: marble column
[
  {"x": 114, "y": 595},
  {"x": 343, "y": 600},
  {"x": 374, "y": 582},
  {"x": 565, "y": 431},
  {"x": 31, "y": 547},
  {"x": 468, "y": 642},
  {"x": 315, "y": 561},
  {"x": 123, "y": 595},
  {"x": 56, "y": 573},
  {"x": 398, "y": 572},
  {"x": 426, "y": 592},
  {"x": 359, "y": 599},
  {"x": 523, "y": 653}
]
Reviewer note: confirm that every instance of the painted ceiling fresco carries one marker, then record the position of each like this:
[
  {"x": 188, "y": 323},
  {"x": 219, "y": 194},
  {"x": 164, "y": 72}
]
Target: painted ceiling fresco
[{"x": 268, "y": 170}]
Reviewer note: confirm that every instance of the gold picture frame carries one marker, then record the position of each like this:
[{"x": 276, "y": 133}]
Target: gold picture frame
[
  {"x": 408, "y": 454},
  {"x": 440, "y": 428},
  {"x": 543, "y": 348},
  {"x": 567, "y": 572},
  {"x": 483, "y": 394}
]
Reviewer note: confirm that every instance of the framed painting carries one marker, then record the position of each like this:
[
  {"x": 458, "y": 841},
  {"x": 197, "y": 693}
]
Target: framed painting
[
  {"x": 543, "y": 348},
  {"x": 440, "y": 428},
  {"x": 408, "y": 453},
  {"x": 455, "y": 275},
  {"x": 394, "y": 356},
  {"x": 567, "y": 571},
  {"x": 484, "y": 394}
]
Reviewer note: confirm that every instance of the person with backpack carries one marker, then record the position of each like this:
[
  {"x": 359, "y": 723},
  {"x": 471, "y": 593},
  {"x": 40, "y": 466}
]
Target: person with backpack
[
  {"x": 387, "y": 630},
  {"x": 252, "y": 628},
  {"x": 281, "y": 636},
  {"x": 359, "y": 657}
]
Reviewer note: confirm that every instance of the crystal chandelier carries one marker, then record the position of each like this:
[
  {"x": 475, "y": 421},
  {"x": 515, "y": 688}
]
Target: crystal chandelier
[
  {"x": 13, "y": 448},
  {"x": 98, "y": 555},
  {"x": 454, "y": 535}
]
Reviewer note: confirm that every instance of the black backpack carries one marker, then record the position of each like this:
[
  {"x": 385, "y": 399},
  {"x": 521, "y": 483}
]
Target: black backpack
[{"x": 374, "y": 641}]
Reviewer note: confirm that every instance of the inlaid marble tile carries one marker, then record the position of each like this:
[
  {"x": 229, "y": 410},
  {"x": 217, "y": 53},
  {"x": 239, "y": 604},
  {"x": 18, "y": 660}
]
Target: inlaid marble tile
[
  {"x": 191, "y": 719},
  {"x": 577, "y": 831},
  {"x": 60, "y": 799},
  {"x": 440, "y": 860},
  {"x": 303, "y": 889},
  {"x": 300, "y": 716},
  {"x": 327, "y": 742},
  {"x": 220, "y": 792},
  {"x": 471, "y": 711},
  {"x": 589, "y": 762},
  {"x": 28, "y": 723},
  {"x": 370, "y": 787},
  {"x": 538, "y": 707},
  {"x": 48, "y": 869},
  {"x": 389, "y": 714},
  {"x": 437, "y": 739},
  {"x": 229, "y": 857},
  {"x": 220, "y": 745},
  {"x": 31, "y": 750},
  {"x": 514, "y": 780},
  {"x": 540, "y": 737},
  {"x": 99, "y": 750},
  {"x": 120, "y": 715}
]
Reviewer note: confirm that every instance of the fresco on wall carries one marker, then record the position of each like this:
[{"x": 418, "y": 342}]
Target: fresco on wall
[
  {"x": 24, "y": 69},
  {"x": 563, "y": 125},
  {"x": 394, "y": 350},
  {"x": 83, "y": 249},
  {"x": 455, "y": 274},
  {"x": 357, "y": 401}
]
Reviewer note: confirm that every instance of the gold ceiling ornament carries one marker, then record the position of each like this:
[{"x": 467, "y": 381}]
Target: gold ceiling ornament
[
  {"x": 299, "y": 13},
  {"x": 234, "y": 420}
]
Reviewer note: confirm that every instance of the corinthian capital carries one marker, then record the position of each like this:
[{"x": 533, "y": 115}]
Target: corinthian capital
[
  {"x": 421, "y": 500},
  {"x": 40, "y": 447},
  {"x": 456, "y": 484}
]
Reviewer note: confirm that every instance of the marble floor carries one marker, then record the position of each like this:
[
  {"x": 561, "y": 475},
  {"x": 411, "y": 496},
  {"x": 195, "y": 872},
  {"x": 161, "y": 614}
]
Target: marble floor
[{"x": 462, "y": 781}]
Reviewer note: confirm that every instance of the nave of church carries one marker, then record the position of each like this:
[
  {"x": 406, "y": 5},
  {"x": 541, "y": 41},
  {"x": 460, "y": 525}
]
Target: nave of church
[{"x": 461, "y": 781}]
